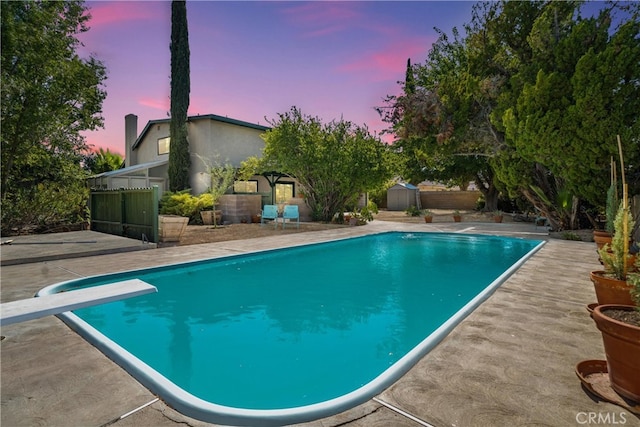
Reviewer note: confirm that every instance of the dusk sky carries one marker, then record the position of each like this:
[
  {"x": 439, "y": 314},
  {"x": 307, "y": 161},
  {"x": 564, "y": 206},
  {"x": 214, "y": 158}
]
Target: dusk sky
[{"x": 251, "y": 60}]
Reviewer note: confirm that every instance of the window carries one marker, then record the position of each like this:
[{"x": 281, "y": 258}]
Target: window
[
  {"x": 245, "y": 187},
  {"x": 284, "y": 191},
  {"x": 163, "y": 145}
]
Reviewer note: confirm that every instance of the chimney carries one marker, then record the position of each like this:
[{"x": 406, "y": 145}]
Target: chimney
[{"x": 130, "y": 136}]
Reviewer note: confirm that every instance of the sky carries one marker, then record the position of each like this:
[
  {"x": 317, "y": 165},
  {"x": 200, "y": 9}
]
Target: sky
[{"x": 251, "y": 60}]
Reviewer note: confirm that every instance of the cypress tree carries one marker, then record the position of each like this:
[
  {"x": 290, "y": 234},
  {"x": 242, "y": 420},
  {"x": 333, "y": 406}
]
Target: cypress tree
[
  {"x": 409, "y": 80},
  {"x": 179, "y": 160}
]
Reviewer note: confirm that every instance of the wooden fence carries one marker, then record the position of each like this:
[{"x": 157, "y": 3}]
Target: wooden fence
[{"x": 126, "y": 212}]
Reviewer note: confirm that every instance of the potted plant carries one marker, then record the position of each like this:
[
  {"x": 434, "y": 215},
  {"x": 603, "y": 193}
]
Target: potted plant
[
  {"x": 175, "y": 211},
  {"x": 611, "y": 283},
  {"x": 620, "y": 328},
  {"x": 497, "y": 216},
  {"x": 220, "y": 179},
  {"x": 428, "y": 215},
  {"x": 457, "y": 217}
]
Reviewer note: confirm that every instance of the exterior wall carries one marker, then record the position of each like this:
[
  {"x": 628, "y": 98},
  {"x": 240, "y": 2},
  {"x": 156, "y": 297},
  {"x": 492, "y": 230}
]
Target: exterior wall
[
  {"x": 219, "y": 143},
  {"x": 147, "y": 149},
  {"x": 449, "y": 199}
]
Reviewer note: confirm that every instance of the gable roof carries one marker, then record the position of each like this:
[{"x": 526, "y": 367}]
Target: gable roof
[{"x": 214, "y": 117}]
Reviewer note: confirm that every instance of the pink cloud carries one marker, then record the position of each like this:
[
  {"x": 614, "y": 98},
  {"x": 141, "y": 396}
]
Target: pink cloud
[
  {"x": 157, "y": 104},
  {"x": 390, "y": 62},
  {"x": 322, "y": 18},
  {"x": 107, "y": 13}
]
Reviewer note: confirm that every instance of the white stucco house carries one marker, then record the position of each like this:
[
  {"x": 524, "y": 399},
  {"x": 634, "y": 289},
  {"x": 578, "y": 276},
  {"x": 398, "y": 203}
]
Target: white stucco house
[{"x": 216, "y": 139}]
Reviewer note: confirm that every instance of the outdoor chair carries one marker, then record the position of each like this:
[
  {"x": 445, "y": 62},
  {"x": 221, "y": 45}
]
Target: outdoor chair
[
  {"x": 291, "y": 212},
  {"x": 269, "y": 212}
]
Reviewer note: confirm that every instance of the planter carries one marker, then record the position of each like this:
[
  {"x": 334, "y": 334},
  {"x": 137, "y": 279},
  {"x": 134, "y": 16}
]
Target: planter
[
  {"x": 611, "y": 291},
  {"x": 207, "y": 217},
  {"x": 428, "y": 219},
  {"x": 255, "y": 219},
  {"x": 601, "y": 238},
  {"x": 457, "y": 218},
  {"x": 622, "y": 348},
  {"x": 497, "y": 218},
  {"x": 171, "y": 227}
]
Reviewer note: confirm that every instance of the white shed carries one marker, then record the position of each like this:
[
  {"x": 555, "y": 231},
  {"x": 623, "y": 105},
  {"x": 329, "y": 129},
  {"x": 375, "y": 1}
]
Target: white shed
[{"x": 402, "y": 195}]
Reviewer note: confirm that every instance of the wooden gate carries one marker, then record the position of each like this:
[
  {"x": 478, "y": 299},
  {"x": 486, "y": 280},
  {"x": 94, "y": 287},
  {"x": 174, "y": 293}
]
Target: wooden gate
[{"x": 126, "y": 212}]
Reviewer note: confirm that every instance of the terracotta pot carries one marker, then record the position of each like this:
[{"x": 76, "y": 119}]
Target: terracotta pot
[
  {"x": 457, "y": 218},
  {"x": 601, "y": 238},
  {"x": 255, "y": 219},
  {"x": 428, "y": 219},
  {"x": 611, "y": 291},
  {"x": 497, "y": 218},
  {"x": 622, "y": 348}
]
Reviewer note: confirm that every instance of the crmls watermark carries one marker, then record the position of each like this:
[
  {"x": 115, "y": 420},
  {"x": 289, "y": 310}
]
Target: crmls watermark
[{"x": 601, "y": 418}]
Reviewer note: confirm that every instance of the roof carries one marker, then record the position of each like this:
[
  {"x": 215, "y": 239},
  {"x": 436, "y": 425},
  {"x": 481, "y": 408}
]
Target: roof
[
  {"x": 215, "y": 117},
  {"x": 406, "y": 185},
  {"x": 133, "y": 168}
]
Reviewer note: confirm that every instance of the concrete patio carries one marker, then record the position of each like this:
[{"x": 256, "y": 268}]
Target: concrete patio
[{"x": 510, "y": 363}]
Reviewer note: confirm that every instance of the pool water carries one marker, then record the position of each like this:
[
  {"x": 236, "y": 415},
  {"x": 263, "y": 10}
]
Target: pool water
[{"x": 298, "y": 326}]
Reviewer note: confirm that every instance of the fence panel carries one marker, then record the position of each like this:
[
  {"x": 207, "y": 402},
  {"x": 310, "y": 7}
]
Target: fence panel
[{"x": 126, "y": 212}]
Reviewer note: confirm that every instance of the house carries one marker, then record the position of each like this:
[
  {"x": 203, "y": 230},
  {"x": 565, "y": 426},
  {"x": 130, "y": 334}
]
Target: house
[{"x": 213, "y": 140}]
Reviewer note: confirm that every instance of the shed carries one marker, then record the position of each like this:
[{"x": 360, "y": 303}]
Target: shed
[{"x": 401, "y": 196}]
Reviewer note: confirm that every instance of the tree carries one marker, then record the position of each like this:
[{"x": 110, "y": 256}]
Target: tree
[
  {"x": 221, "y": 177},
  {"x": 102, "y": 161},
  {"x": 334, "y": 162},
  {"x": 179, "y": 157},
  {"x": 49, "y": 95}
]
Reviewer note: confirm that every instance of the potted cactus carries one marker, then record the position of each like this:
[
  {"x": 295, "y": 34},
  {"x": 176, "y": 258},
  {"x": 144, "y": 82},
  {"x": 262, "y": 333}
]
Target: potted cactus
[
  {"x": 611, "y": 283},
  {"x": 620, "y": 328}
]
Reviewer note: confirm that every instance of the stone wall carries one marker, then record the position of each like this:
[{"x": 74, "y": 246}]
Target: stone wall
[{"x": 238, "y": 207}]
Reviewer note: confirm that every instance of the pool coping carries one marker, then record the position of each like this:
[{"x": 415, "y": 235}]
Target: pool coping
[
  {"x": 203, "y": 410},
  {"x": 107, "y": 405}
]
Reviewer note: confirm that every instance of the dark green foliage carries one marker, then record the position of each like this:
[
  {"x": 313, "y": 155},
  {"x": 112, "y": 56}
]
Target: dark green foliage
[
  {"x": 532, "y": 99},
  {"x": 179, "y": 157},
  {"x": 102, "y": 161},
  {"x": 49, "y": 96}
]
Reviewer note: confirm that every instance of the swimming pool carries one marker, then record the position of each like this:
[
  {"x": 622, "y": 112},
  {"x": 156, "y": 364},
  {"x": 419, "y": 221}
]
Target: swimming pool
[{"x": 295, "y": 334}]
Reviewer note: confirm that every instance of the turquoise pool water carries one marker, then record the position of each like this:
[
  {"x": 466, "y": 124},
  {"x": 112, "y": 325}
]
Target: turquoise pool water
[{"x": 297, "y": 327}]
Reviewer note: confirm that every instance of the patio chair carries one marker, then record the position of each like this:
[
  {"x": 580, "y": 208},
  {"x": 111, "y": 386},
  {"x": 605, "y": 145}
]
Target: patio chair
[
  {"x": 269, "y": 212},
  {"x": 291, "y": 212}
]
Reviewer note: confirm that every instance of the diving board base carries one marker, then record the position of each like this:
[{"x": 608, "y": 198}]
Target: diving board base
[{"x": 45, "y": 305}]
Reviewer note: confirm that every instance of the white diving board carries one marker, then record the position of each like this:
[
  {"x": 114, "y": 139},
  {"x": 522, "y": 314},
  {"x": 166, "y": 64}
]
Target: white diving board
[{"x": 45, "y": 305}]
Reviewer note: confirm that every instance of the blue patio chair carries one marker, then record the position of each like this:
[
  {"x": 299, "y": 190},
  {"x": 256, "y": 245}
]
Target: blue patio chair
[
  {"x": 269, "y": 212},
  {"x": 291, "y": 213}
]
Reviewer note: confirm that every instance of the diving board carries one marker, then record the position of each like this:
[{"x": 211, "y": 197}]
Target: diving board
[{"x": 45, "y": 305}]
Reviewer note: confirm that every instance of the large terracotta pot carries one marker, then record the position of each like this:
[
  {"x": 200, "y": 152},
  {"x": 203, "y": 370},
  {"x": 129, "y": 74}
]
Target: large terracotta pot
[
  {"x": 611, "y": 291},
  {"x": 601, "y": 238},
  {"x": 622, "y": 348},
  {"x": 428, "y": 219},
  {"x": 457, "y": 218},
  {"x": 497, "y": 218}
]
